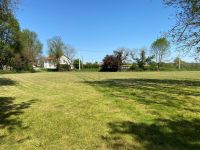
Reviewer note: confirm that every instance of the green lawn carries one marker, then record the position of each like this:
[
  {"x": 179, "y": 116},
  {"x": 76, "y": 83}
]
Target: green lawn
[{"x": 151, "y": 110}]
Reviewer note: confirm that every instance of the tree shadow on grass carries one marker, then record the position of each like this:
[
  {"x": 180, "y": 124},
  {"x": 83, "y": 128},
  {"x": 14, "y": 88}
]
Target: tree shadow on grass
[
  {"x": 7, "y": 82},
  {"x": 161, "y": 135},
  {"x": 168, "y": 81},
  {"x": 165, "y": 99},
  {"x": 177, "y": 94},
  {"x": 10, "y": 111}
]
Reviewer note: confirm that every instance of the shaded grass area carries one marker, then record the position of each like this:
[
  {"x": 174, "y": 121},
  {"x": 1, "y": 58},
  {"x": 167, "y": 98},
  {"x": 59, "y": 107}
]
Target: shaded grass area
[
  {"x": 177, "y": 94},
  {"x": 173, "y": 104},
  {"x": 8, "y": 108},
  {"x": 7, "y": 82},
  {"x": 162, "y": 134},
  {"x": 10, "y": 111}
]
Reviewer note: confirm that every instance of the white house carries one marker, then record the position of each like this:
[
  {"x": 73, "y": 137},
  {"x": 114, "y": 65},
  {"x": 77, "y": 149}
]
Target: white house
[{"x": 49, "y": 62}]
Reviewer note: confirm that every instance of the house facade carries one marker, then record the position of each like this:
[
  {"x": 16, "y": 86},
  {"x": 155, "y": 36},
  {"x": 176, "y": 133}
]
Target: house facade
[{"x": 49, "y": 62}]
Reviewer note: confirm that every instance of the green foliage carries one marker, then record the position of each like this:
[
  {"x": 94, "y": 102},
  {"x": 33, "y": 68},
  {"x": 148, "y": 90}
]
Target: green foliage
[
  {"x": 31, "y": 43},
  {"x": 185, "y": 66},
  {"x": 134, "y": 67},
  {"x": 18, "y": 63},
  {"x": 89, "y": 65},
  {"x": 143, "y": 60},
  {"x": 56, "y": 49},
  {"x": 8, "y": 6},
  {"x": 64, "y": 67},
  {"x": 76, "y": 63},
  {"x": 152, "y": 66},
  {"x": 111, "y": 63},
  {"x": 160, "y": 48},
  {"x": 114, "y": 62},
  {"x": 9, "y": 34},
  {"x": 32, "y": 47},
  {"x": 185, "y": 32},
  {"x": 18, "y": 50},
  {"x": 121, "y": 55},
  {"x": 177, "y": 60}
]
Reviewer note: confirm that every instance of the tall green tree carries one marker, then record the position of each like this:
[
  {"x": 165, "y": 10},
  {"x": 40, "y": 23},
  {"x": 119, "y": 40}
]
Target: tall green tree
[
  {"x": 32, "y": 47},
  {"x": 56, "y": 49},
  {"x": 160, "y": 48},
  {"x": 10, "y": 43},
  {"x": 186, "y": 32}
]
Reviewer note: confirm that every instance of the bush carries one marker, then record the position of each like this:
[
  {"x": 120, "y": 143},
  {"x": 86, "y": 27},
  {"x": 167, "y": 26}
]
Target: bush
[
  {"x": 91, "y": 65},
  {"x": 152, "y": 66},
  {"x": 134, "y": 67},
  {"x": 76, "y": 63},
  {"x": 110, "y": 64},
  {"x": 109, "y": 68},
  {"x": 64, "y": 67}
]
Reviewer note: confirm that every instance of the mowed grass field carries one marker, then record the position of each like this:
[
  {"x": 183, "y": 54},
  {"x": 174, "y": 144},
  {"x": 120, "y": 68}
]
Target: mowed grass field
[{"x": 151, "y": 110}]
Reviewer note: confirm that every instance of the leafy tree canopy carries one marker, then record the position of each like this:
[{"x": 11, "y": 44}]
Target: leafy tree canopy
[
  {"x": 9, "y": 33},
  {"x": 186, "y": 32},
  {"x": 160, "y": 48}
]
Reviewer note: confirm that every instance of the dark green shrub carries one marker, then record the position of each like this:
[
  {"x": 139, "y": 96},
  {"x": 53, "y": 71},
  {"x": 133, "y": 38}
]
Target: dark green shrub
[
  {"x": 64, "y": 67},
  {"x": 134, "y": 67}
]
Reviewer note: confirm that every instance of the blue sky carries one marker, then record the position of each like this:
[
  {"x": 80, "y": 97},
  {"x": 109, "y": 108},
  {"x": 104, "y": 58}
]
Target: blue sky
[{"x": 96, "y": 27}]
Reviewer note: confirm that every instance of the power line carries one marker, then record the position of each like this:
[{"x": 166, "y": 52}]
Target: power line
[{"x": 89, "y": 51}]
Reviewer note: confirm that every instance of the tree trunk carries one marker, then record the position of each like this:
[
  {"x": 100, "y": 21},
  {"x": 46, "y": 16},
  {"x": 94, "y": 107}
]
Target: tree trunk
[
  {"x": 158, "y": 67},
  {"x": 1, "y": 66},
  {"x": 58, "y": 64}
]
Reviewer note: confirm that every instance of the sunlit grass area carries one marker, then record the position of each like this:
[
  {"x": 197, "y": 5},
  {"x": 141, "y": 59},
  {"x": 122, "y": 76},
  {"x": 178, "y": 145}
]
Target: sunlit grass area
[{"x": 151, "y": 110}]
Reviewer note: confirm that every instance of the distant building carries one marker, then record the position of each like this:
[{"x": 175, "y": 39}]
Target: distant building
[
  {"x": 49, "y": 62},
  {"x": 125, "y": 67}
]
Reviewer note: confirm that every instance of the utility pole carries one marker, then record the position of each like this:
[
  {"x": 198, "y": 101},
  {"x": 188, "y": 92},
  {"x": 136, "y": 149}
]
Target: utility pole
[
  {"x": 179, "y": 61},
  {"x": 79, "y": 62},
  {"x": 82, "y": 62}
]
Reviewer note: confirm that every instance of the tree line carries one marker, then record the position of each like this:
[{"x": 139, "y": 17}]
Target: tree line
[
  {"x": 21, "y": 49},
  {"x": 159, "y": 49}
]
